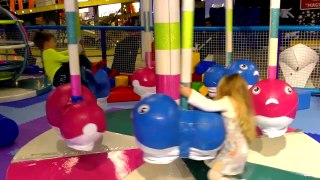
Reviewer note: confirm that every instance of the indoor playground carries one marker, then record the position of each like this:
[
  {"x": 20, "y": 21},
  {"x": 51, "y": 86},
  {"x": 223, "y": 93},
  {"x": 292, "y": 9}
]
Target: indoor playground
[{"x": 124, "y": 118}]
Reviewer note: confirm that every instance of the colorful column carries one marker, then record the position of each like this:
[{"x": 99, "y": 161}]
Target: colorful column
[
  {"x": 187, "y": 46},
  {"x": 229, "y": 25},
  {"x": 73, "y": 30},
  {"x": 273, "y": 38},
  {"x": 167, "y": 47},
  {"x": 146, "y": 35}
]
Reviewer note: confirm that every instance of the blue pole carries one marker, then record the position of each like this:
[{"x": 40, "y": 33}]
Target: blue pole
[{"x": 103, "y": 45}]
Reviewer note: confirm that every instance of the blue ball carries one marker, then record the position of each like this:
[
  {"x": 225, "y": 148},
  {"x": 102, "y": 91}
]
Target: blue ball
[{"x": 8, "y": 131}]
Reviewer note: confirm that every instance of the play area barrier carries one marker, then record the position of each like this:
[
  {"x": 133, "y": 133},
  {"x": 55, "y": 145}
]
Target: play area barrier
[{"x": 121, "y": 45}]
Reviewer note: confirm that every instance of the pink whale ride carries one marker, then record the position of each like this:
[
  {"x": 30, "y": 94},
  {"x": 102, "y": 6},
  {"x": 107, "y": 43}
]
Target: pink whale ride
[
  {"x": 275, "y": 103},
  {"x": 81, "y": 124},
  {"x": 144, "y": 82}
]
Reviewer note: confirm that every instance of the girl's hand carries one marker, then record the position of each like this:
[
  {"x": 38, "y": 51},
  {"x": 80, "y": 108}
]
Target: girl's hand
[{"x": 185, "y": 91}]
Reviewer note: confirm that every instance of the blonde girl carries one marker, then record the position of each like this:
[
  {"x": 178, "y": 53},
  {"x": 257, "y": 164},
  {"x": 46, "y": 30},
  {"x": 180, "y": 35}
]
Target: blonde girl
[{"x": 234, "y": 103}]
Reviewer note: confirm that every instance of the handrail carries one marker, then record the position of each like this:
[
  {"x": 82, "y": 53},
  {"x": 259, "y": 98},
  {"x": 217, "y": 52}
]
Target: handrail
[{"x": 140, "y": 28}]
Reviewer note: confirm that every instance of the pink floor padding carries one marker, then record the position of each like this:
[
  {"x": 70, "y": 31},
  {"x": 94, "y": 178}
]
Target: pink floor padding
[{"x": 112, "y": 165}]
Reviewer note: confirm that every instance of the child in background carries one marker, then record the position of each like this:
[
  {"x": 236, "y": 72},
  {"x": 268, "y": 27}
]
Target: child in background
[
  {"x": 234, "y": 103},
  {"x": 56, "y": 64}
]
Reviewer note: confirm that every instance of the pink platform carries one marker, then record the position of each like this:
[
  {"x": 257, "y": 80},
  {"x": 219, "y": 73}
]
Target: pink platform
[{"x": 92, "y": 166}]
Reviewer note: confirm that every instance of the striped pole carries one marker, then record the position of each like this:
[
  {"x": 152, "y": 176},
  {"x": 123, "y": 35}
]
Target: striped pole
[
  {"x": 167, "y": 47},
  {"x": 78, "y": 29},
  {"x": 273, "y": 38},
  {"x": 229, "y": 25},
  {"x": 187, "y": 46},
  {"x": 73, "y": 30},
  {"x": 146, "y": 34}
]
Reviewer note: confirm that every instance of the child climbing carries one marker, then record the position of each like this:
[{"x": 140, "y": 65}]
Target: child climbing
[
  {"x": 234, "y": 102},
  {"x": 56, "y": 64}
]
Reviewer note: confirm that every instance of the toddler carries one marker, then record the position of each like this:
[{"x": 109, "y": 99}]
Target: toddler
[{"x": 56, "y": 64}]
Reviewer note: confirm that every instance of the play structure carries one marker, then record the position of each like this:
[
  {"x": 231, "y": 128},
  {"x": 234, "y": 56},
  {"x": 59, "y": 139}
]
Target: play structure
[
  {"x": 13, "y": 84},
  {"x": 193, "y": 126},
  {"x": 11, "y": 26}
]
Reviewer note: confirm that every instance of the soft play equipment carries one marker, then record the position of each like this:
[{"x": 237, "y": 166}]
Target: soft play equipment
[
  {"x": 144, "y": 82},
  {"x": 96, "y": 66},
  {"x": 297, "y": 64},
  {"x": 195, "y": 60},
  {"x": 73, "y": 109},
  {"x": 203, "y": 66},
  {"x": 304, "y": 99},
  {"x": 275, "y": 103},
  {"x": 197, "y": 77},
  {"x": 165, "y": 133},
  {"x": 123, "y": 94},
  {"x": 8, "y": 131},
  {"x": 13, "y": 68},
  {"x": 61, "y": 97},
  {"x": 15, "y": 53},
  {"x": 248, "y": 70},
  {"x": 212, "y": 78},
  {"x": 99, "y": 83},
  {"x": 121, "y": 80},
  {"x": 81, "y": 123},
  {"x": 32, "y": 69}
]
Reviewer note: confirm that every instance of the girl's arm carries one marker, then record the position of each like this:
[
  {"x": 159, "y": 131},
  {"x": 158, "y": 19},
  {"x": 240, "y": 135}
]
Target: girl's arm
[
  {"x": 203, "y": 103},
  {"x": 199, "y": 101}
]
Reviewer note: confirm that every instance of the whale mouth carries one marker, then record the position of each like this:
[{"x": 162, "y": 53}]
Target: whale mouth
[
  {"x": 272, "y": 101},
  {"x": 256, "y": 73}
]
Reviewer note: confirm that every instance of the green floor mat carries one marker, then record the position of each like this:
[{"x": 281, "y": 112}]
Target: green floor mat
[{"x": 120, "y": 122}]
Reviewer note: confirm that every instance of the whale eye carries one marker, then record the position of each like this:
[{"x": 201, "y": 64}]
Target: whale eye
[
  {"x": 143, "y": 109},
  {"x": 256, "y": 90},
  {"x": 243, "y": 66},
  {"x": 288, "y": 90}
]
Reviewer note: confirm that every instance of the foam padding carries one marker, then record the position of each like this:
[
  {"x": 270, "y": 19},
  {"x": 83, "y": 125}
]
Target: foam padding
[
  {"x": 203, "y": 90},
  {"x": 196, "y": 77},
  {"x": 304, "y": 99},
  {"x": 123, "y": 94},
  {"x": 99, "y": 83},
  {"x": 314, "y": 136},
  {"x": 203, "y": 66},
  {"x": 112, "y": 82},
  {"x": 196, "y": 85},
  {"x": 122, "y": 80},
  {"x": 195, "y": 60}
]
